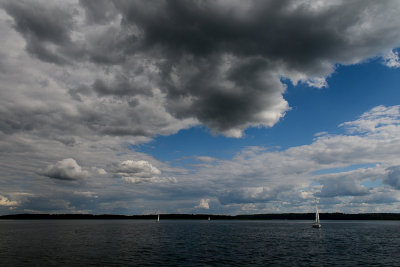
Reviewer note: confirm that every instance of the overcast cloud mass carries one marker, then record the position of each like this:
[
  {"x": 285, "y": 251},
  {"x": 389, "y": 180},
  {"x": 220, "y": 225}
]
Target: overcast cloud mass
[{"x": 82, "y": 81}]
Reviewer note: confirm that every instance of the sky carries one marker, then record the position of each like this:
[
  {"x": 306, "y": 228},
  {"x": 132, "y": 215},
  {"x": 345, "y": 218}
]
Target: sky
[{"x": 218, "y": 107}]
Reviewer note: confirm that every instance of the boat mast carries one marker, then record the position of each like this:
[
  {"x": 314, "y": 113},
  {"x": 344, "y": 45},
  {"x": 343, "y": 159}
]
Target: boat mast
[{"x": 316, "y": 224}]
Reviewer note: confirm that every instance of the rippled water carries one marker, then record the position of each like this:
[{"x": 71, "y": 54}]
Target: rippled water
[{"x": 198, "y": 243}]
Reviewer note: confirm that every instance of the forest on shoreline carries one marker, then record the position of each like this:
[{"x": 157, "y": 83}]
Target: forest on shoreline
[{"x": 271, "y": 216}]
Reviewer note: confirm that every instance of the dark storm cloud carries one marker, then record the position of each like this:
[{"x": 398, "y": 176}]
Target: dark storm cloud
[
  {"x": 99, "y": 11},
  {"x": 295, "y": 33},
  {"x": 393, "y": 177},
  {"x": 257, "y": 42},
  {"x": 41, "y": 25},
  {"x": 265, "y": 28},
  {"x": 50, "y": 120},
  {"x": 120, "y": 87},
  {"x": 224, "y": 100},
  {"x": 45, "y": 23},
  {"x": 220, "y": 62},
  {"x": 76, "y": 93}
]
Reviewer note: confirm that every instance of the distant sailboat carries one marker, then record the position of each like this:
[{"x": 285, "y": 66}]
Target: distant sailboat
[
  {"x": 209, "y": 218},
  {"x": 158, "y": 217},
  {"x": 316, "y": 224}
]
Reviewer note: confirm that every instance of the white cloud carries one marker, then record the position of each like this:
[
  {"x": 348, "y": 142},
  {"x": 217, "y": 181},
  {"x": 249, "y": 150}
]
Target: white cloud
[
  {"x": 152, "y": 180},
  {"x": 138, "y": 171},
  {"x": 319, "y": 82},
  {"x": 99, "y": 171},
  {"x": 204, "y": 204},
  {"x": 205, "y": 159},
  {"x": 377, "y": 120},
  {"x": 257, "y": 175},
  {"x": 6, "y": 202},
  {"x": 392, "y": 59},
  {"x": 66, "y": 169},
  {"x": 87, "y": 194}
]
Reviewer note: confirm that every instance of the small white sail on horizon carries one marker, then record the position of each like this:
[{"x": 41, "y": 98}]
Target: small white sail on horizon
[
  {"x": 158, "y": 217},
  {"x": 316, "y": 224}
]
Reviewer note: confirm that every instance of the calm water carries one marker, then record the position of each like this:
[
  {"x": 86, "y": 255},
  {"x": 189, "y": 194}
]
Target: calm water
[{"x": 198, "y": 243}]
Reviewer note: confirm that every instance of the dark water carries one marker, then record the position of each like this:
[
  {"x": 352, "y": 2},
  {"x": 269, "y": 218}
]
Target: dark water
[{"x": 198, "y": 243}]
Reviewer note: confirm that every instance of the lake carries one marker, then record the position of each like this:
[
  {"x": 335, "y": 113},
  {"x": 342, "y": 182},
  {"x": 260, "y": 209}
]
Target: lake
[{"x": 198, "y": 243}]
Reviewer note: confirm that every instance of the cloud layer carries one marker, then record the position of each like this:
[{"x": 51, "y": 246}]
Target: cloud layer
[
  {"x": 355, "y": 171},
  {"x": 81, "y": 81},
  {"x": 177, "y": 63}
]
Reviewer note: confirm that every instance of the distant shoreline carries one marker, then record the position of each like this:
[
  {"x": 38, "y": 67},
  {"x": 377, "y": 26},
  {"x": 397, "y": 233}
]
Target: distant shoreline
[{"x": 271, "y": 216}]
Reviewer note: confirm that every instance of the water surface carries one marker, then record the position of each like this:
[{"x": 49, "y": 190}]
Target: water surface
[{"x": 198, "y": 243}]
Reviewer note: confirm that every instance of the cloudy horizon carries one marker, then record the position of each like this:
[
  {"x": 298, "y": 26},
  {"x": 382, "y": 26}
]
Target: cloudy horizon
[{"x": 228, "y": 107}]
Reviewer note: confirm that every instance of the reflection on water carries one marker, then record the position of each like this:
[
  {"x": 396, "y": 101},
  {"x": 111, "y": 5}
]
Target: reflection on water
[{"x": 198, "y": 243}]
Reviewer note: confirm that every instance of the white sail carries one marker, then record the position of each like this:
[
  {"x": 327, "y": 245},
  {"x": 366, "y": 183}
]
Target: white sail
[
  {"x": 158, "y": 217},
  {"x": 316, "y": 224}
]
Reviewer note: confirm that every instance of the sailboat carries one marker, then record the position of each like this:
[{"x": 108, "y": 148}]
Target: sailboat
[
  {"x": 158, "y": 217},
  {"x": 316, "y": 224},
  {"x": 208, "y": 217}
]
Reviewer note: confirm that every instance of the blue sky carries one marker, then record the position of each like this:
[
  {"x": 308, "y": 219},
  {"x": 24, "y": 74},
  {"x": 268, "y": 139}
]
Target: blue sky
[
  {"x": 232, "y": 107},
  {"x": 351, "y": 91}
]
